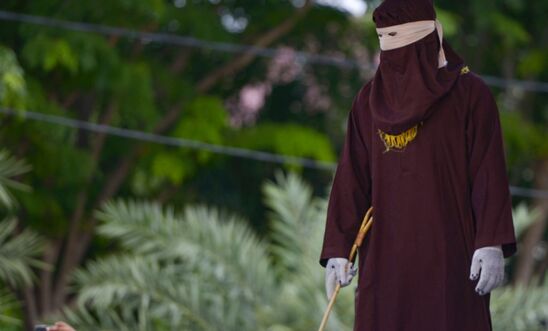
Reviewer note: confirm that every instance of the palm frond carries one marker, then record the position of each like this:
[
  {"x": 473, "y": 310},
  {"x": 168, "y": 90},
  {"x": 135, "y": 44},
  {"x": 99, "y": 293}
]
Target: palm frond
[
  {"x": 524, "y": 217},
  {"x": 10, "y": 167},
  {"x": 87, "y": 319},
  {"x": 520, "y": 308},
  {"x": 201, "y": 270},
  {"x": 135, "y": 283},
  {"x": 8, "y": 305},
  {"x": 18, "y": 254},
  {"x": 293, "y": 218},
  {"x": 297, "y": 222},
  {"x": 204, "y": 237}
]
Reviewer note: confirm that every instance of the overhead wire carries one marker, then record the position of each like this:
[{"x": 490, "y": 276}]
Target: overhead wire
[
  {"x": 213, "y": 148},
  {"x": 172, "y": 39},
  {"x": 188, "y": 41},
  {"x": 169, "y": 141}
]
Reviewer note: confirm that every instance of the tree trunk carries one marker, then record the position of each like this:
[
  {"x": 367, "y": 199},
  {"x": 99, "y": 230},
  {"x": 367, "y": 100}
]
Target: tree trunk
[{"x": 29, "y": 308}]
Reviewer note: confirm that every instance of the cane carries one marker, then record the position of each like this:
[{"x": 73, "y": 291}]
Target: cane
[{"x": 364, "y": 227}]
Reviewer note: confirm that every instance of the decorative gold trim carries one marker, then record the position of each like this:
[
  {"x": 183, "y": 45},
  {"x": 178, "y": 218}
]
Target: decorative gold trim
[
  {"x": 464, "y": 70},
  {"x": 398, "y": 141}
]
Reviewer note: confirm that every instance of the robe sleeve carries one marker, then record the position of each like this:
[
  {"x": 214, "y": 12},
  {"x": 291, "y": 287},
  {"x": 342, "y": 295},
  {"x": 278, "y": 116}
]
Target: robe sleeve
[
  {"x": 350, "y": 193},
  {"x": 490, "y": 193}
]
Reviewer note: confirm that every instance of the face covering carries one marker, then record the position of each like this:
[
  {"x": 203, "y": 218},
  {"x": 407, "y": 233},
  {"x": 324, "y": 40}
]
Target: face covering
[{"x": 417, "y": 68}]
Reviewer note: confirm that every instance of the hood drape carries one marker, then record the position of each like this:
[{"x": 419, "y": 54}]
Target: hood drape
[{"x": 408, "y": 81}]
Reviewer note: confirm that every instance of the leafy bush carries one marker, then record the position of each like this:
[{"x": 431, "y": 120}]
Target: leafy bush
[{"x": 204, "y": 269}]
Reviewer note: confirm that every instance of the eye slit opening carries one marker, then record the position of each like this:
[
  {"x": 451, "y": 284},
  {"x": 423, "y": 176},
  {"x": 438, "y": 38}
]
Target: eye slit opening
[
  {"x": 392, "y": 34},
  {"x": 380, "y": 34}
]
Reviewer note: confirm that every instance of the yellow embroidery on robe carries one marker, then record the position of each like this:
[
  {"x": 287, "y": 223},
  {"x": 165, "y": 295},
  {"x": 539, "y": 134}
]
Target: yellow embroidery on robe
[
  {"x": 398, "y": 141},
  {"x": 464, "y": 70}
]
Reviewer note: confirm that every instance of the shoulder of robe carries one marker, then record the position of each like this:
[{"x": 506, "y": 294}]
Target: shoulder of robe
[
  {"x": 361, "y": 111},
  {"x": 473, "y": 85},
  {"x": 479, "y": 100},
  {"x": 360, "y": 105}
]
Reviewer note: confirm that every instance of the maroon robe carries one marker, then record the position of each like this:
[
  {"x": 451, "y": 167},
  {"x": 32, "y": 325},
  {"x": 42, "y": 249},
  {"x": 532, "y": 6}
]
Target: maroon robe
[
  {"x": 434, "y": 203},
  {"x": 437, "y": 200}
]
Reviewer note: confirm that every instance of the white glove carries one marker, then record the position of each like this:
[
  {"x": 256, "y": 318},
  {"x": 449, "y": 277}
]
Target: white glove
[
  {"x": 338, "y": 270},
  {"x": 491, "y": 262}
]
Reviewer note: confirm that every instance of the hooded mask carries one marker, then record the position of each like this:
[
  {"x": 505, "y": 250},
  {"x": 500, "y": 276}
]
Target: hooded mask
[{"x": 410, "y": 79}]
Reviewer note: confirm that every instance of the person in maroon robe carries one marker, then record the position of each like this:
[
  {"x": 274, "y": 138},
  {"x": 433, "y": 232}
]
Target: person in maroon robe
[{"x": 423, "y": 147}]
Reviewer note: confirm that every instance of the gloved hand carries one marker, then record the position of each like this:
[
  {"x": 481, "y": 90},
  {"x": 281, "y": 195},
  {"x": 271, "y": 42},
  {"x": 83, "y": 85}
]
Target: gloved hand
[
  {"x": 490, "y": 261},
  {"x": 338, "y": 270}
]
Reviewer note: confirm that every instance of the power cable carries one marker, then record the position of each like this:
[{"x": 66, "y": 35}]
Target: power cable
[
  {"x": 171, "y": 39},
  {"x": 187, "y": 41},
  {"x": 199, "y": 145},
  {"x": 528, "y": 192},
  {"x": 170, "y": 141}
]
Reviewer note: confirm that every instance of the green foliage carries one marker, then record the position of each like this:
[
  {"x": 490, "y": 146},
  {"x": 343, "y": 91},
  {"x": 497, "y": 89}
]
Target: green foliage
[
  {"x": 19, "y": 249},
  {"x": 132, "y": 87},
  {"x": 203, "y": 264},
  {"x": 287, "y": 139},
  {"x": 523, "y": 139},
  {"x": 10, "y": 167},
  {"x": 171, "y": 166},
  {"x": 18, "y": 254},
  {"x": 533, "y": 62},
  {"x": 13, "y": 91},
  {"x": 9, "y": 306},
  {"x": 205, "y": 270},
  {"x": 296, "y": 221},
  {"x": 520, "y": 308},
  {"x": 205, "y": 120},
  {"x": 449, "y": 21},
  {"x": 49, "y": 54},
  {"x": 523, "y": 218},
  {"x": 509, "y": 30}
]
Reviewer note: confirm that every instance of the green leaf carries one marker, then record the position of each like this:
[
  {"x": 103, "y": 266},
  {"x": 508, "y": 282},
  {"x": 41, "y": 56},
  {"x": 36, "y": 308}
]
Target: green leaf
[
  {"x": 134, "y": 92},
  {"x": 18, "y": 254},
  {"x": 10, "y": 167},
  {"x": 510, "y": 30},
  {"x": 287, "y": 139},
  {"x": 533, "y": 63},
  {"x": 13, "y": 90},
  {"x": 449, "y": 21},
  {"x": 170, "y": 166},
  {"x": 50, "y": 53}
]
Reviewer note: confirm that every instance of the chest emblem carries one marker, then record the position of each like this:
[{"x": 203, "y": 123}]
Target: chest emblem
[{"x": 398, "y": 141}]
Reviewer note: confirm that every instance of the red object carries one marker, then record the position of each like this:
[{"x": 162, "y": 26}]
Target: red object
[{"x": 438, "y": 199}]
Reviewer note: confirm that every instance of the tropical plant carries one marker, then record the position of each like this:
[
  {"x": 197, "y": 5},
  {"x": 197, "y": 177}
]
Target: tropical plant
[
  {"x": 19, "y": 249},
  {"x": 201, "y": 270},
  {"x": 204, "y": 269},
  {"x": 18, "y": 254},
  {"x": 521, "y": 308},
  {"x": 10, "y": 168}
]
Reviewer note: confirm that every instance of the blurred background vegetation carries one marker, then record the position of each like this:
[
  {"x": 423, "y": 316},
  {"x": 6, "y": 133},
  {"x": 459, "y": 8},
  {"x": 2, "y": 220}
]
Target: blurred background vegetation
[{"x": 113, "y": 233}]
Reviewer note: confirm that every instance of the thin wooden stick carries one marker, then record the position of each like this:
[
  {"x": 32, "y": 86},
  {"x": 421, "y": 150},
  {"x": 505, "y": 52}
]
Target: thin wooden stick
[{"x": 364, "y": 228}]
